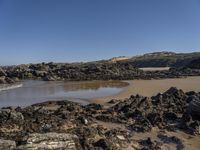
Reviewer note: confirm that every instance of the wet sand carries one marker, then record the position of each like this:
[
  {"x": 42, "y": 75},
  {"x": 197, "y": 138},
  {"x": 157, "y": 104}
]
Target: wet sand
[{"x": 152, "y": 87}]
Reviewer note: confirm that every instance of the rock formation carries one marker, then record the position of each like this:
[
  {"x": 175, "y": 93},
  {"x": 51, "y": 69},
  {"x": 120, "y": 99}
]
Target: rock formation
[{"x": 68, "y": 125}]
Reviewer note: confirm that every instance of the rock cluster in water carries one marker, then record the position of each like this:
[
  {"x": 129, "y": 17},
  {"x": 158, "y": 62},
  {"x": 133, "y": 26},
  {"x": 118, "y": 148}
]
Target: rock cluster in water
[
  {"x": 102, "y": 70},
  {"x": 68, "y": 125}
]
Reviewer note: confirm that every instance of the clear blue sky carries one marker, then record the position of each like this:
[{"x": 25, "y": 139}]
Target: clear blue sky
[{"x": 79, "y": 30}]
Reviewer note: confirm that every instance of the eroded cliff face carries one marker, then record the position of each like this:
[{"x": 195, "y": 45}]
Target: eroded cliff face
[{"x": 68, "y": 125}]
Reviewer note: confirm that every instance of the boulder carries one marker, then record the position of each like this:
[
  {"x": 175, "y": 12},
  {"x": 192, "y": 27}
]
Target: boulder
[
  {"x": 49, "y": 141},
  {"x": 105, "y": 144},
  {"x": 2, "y": 80},
  {"x": 7, "y": 144},
  {"x": 2, "y": 72},
  {"x": 49, "y": 78},
  {"x": 40, "y": 73},
  {"x": 83, "y": 120},
  {"x": 148, "y": 144},
  {"x": 9, "y": 80}
]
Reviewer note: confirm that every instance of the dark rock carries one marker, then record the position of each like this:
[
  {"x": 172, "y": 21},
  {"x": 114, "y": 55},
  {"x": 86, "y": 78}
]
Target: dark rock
[
  {"x": 9, "y": 80},
  {"x": 140, "y": 125},
  {"x": 173, "y": 140},
  {"x": 113, "y": 101},
  {"x": 155, "y": 119},
  {"x": 49, "y": 78},
  {"x": 104, "y": 145},
  {"x": 94, "y": 106},
  {"x": 96, "y": 127},
  {"x": 148, "y": 144},
  {"x": 194, "y": 127},
  {"x": 186, "y": 117},
  {"x": 194, "y": 109},
  {"x": 170, "y": 116}
]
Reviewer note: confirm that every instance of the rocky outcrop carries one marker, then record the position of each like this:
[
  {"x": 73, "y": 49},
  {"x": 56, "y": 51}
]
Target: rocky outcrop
[
  {"x": 2, "y": 72},
  {"x": 195, "y": 64},
  {"x": 68, "y": 125},
  {"x": 99, "y": 70},
  {"x": 74, "y": 71},
  {"x": 4, "y": 78}
]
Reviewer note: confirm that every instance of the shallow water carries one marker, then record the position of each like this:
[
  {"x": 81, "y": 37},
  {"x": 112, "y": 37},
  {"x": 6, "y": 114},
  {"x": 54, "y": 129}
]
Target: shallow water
[{"x": 39, "y": 91}]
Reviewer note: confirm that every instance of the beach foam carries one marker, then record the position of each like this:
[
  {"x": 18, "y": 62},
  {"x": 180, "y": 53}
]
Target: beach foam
[{"x": 5, "y": 87}]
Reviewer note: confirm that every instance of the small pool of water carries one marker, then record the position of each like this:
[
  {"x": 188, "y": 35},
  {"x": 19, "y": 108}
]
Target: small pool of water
[{"x": 31, "y": 92}]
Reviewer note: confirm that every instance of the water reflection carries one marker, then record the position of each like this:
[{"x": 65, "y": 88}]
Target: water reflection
[
  {"x": 93, "y": 85},
  {"x": 39, "y": 91}
]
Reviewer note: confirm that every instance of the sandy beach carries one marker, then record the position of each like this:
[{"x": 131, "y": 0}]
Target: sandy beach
[{"x": 152, "y": 87}]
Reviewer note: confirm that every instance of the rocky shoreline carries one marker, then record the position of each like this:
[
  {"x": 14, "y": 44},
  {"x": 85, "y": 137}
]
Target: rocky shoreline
[
  {"x": 69, "y": 125},
  {"x": 101, "y": 70}
]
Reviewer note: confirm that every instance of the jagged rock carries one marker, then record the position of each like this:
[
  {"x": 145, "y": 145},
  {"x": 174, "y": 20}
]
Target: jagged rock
[
  {"x": 194, "y": 127},
  {"x": 169, "y": 116},
  {"x": 148, "y": 144},
  {"x": 96, "y": 127},
  {"x": 155, "y": 119},
  {"x": 104, "y": 144},
  {"x": 141, "y": 125}
]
